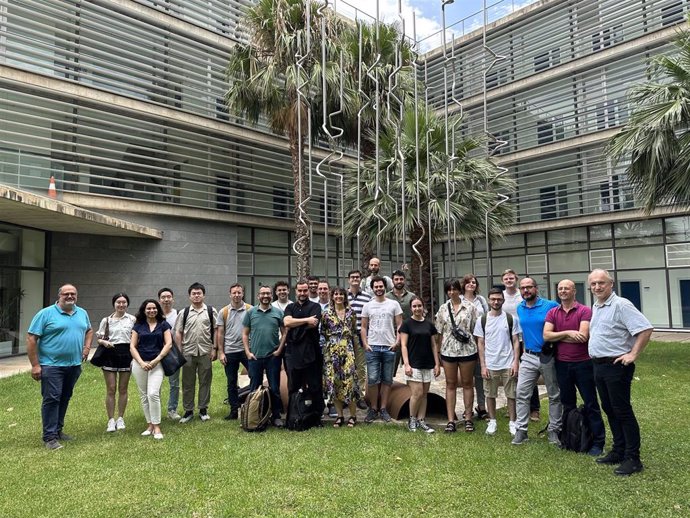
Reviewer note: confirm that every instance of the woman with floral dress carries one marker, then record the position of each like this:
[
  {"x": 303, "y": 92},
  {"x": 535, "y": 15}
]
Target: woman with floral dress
[{"x": 341, "y": 385}]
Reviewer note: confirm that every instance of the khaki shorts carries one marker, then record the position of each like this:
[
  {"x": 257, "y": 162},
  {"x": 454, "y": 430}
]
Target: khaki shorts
[
  {"x": 497, "y": 379},
  {"x": 421, "y": 375}
]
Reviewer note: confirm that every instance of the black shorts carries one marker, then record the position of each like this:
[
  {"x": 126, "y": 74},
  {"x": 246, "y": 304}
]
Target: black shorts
[
  {"x": 117, "y": 359},
  {"x": 460, "y": 359}
]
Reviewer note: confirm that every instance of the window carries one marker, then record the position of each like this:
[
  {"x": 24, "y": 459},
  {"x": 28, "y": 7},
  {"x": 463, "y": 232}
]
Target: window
[
  {"x": 612, "y": 196},
  {"x": 607, "y": 114},
  {"x": 554, "y": 201},
  {"x": 549, "y": 130},
  {"x": 672, "y": 14},
  {"x": 547, "y": 59},
  {"x": 496, "y": 76},
  {"x": 607, "y": 37},
  {"x": 281, "y": 202}
]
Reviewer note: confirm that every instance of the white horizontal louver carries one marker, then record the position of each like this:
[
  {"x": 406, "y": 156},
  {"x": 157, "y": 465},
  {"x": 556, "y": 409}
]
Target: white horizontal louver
[
  {"x": 536, "y": 263},
  {"x": 678, "y": 256},
  {"x": 345, "y": 265},
  {"x": 439, "y": 270},
  {"x": 479, "y": 266},
  {"x": 603, "y": 259}
]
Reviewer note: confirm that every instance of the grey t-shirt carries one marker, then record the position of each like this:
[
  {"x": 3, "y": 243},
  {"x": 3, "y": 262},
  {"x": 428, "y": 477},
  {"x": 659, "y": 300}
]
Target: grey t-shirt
[
  {"x": 614, "y": 326},
  {"x": 381, "y": 317}
]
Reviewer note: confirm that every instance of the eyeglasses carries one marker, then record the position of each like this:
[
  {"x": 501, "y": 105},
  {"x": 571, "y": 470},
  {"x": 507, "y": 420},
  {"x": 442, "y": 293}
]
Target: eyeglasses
[{"x": 527, "y": 287}]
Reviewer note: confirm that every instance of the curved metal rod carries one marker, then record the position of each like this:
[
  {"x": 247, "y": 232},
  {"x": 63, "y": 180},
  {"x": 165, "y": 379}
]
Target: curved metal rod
[
  {"x": 378, "y": 190},
  {"x": 367, "y": 99},
  {"x": 428, "y": 180}
]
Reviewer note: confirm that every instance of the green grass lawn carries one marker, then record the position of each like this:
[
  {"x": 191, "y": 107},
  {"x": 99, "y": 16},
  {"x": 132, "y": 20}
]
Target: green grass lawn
[{"x": 216, "y": 469}]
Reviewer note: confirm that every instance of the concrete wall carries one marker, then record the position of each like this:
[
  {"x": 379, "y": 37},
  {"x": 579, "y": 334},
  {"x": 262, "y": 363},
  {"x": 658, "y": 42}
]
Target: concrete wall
[{"x": 101, "y": 266}]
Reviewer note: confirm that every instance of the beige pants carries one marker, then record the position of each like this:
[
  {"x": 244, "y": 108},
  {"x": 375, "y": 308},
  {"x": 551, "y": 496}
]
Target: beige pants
[{"x": 196, "y": 366}]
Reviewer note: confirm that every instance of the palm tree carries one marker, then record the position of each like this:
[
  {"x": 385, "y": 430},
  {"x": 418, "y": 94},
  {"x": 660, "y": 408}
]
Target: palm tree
[
  {"x": 266, "y": 79},
  {"x": 474, "y": 181},
  {"x": 656, "y": 138}
]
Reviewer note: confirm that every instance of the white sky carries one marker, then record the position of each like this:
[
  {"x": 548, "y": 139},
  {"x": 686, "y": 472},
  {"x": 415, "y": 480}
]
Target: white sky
[{"x": 461, "y": 15}]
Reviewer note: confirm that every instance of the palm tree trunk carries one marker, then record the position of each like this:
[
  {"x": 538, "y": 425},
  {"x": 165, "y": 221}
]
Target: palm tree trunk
[{"x": 302, "y": 245}]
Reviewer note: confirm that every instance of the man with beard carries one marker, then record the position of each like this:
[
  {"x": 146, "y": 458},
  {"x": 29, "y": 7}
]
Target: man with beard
[
  {"x": 404, "y": 298},
  {"x": 535, "y": 361},
  {"x": 374, "y": 267},
  {"x": 303, "y": 352}
]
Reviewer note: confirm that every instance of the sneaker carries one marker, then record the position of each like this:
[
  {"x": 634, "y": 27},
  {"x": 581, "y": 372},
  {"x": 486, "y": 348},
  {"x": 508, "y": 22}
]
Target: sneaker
[
  {"x": 491, "y": 427},
  {"x": 628, "y": 467},
  {"x": 332, "y": 412},
  {"x": 552, "y": 435},
  {"x": 385, "y": 415},
  {"x": 188, "y": 415},
  {"x": 146, "y": 433},
  {"x": 53, "y": 444},
  {"x": 65, "y": 437},
  {"x": 595, "y": 451},
  {"x": 120, "y": 424},
  {"x": 371, "y": 416},
  {"x": 158, "y": 436},
  {"x": 610, "y": 458},
  {"x": 520, "y": 438},
  {"x": 172, "y": 414},
  {"x": 203, "y": 414},
  {"x": 278, "y": 422},
  {"x": 425, "y": 427},
  {"x": 234, "y": 414},
  {"x": 111, "y": 426},
  {"x": 412, "y": 424},
  {"x": 512, "y": 427},
  {"x": 534, "y": 416}
]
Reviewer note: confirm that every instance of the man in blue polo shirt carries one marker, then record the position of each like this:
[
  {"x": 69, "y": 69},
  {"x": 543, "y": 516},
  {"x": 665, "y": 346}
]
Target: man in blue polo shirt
[
  {"x": 58, "y": 341},
  {"x": 535, "y": 361}
]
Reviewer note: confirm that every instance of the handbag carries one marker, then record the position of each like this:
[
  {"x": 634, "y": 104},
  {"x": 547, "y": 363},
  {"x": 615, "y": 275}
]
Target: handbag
[
  {"x": 172, "y": 361},
  {"x": 98, "y": 360}
]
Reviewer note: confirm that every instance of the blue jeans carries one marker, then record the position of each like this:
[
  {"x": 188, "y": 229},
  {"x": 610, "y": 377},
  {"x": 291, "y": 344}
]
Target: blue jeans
[
  {"x": 380, "y": 365},
  {"x": 271, "y": 366},
  {"x": 613, "y": 384},
  {"x": 232, "y": 365},
  {"x": 174, "y": 397},
  {"x": 57, "y": 385},
  {"x": 580, "y": 375}
]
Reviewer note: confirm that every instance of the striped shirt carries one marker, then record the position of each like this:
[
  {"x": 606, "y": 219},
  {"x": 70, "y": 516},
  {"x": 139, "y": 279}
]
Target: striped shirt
[{"x": 357, "y": 303}]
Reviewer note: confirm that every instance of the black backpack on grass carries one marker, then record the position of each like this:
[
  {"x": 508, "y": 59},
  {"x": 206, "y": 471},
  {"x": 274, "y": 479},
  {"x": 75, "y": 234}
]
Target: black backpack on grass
[
  {"x": 575, "y": 434},
  {"x": 304, "y": 411}
]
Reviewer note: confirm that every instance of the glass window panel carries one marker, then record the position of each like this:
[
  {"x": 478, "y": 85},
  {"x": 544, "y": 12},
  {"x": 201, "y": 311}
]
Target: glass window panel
[
  {"x": 678, "y": 229},
  {"x": 567, "y": 262},
  {"x": 647, "y": 257},
  {"x": 634, "y": 233},
  {"x": 270, "y": 264},
  {"x": 512, "y": 242},
  {"x": 33, "y": 248},
  {"x": 534, "y": 239}
]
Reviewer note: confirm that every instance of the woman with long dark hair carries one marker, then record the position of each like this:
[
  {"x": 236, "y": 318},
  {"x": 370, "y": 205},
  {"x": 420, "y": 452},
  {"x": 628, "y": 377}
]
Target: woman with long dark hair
[
  {"x": 114, "y": 359},
  {"x": 341, "y": 385},
  {"x": 151, "y": 341}
]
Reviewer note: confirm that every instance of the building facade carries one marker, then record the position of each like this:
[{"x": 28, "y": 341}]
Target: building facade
[{"x": 122, "y": 103}]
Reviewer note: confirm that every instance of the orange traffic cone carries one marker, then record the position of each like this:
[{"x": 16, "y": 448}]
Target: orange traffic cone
[{"x": 52, "y": 192}]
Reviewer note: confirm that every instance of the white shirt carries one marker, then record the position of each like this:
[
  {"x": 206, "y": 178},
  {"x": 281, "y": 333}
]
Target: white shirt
[{"x": 498, "y": 346}]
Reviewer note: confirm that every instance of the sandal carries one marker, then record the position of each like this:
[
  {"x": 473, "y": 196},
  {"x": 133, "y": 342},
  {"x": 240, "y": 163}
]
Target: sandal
[
  {"x": 339, "y": 422},
  {"x": 352, "y": 422},
  {"x": 469, "y": 425},
  {"x": 450, "y": 427}
]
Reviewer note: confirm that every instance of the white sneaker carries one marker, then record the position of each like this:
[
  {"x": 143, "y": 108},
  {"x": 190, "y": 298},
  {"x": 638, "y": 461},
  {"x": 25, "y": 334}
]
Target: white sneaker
[
  {"x": 512, "y": 428},
  {"x": 158, "y": 436},
  {"x": 491, "y": 427},
  {"x": 172, "y": 414},
  {"x": 146, "y": 433},
  {"x": 421, "y": 424},
  {"x": 111, "y": 426},
  {"x": 120, "y": 424}
]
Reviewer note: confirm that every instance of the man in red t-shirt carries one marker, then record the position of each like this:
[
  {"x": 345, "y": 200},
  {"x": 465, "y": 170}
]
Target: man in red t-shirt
[{"x": 568, "y": 327}]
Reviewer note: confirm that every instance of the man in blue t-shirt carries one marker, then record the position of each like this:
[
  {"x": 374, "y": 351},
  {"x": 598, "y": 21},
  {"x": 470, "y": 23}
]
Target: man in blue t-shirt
[
  {"x": 536, "y": 360},
  {"x": 58, "y": 341}
]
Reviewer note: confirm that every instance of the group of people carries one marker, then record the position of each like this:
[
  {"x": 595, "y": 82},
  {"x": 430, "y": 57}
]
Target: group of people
[{"x": 344, "y": 346}]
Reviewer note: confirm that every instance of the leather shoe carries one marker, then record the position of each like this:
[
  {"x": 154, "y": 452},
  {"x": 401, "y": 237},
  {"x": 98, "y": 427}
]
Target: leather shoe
[
  {"x": 610, "y": 458},
  {"x": 628, "y": 467}
]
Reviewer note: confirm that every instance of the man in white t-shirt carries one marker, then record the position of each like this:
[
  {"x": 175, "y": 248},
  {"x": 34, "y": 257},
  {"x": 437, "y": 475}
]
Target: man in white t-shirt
[
  {"x": 381, "y": 319},
  {"x": 499, "y": 352}
]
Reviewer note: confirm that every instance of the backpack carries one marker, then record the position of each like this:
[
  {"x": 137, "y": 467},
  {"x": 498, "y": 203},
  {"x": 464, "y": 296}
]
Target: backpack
[
  {"x": 510, "y": 325},
  {"x": 304, "y": 411},
  {"x": 247, "y": 307},
  {"x": 575, "y": 434},
  {"x": 255, "y": 412}
]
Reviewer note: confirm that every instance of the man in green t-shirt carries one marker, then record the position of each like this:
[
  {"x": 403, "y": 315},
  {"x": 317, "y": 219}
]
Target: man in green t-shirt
[{"x": 263, "y": 327}]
